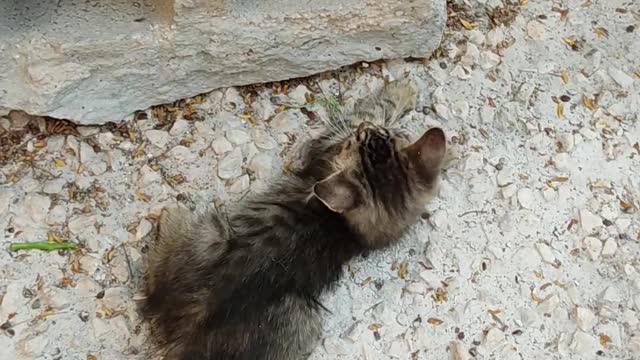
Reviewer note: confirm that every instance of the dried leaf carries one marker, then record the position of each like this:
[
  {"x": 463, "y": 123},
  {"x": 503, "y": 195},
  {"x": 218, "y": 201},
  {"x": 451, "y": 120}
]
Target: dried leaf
[
  {"x": 538, "y": 274},
  {"x": 569, "y": 40},
  {"x": 625, "y": 205},
  {"x": 176, "y": 180},
  {"x": 308, "y": 97},
  {"x": 564, "y": 76},
  {"x": 637, "y": 73},
  {"x": 560, "y": 179},
  {"x": 601, "y": 32},
  {"x": 366, "y": 281},
  {"x": 589, "y": 103},
  {"x": 91, "y": 357},
  {"x": 139, "y": 151},
  {"x": 434, "y": 321},
  {"x": 59, "y": 162},
  {"x": 142, "y": 196},
  {"x": 439, "y": 296},
  {"x": 110, "y": 254},
  {"x": 494, "y": 312},
  {"x": 559, "y": 110},
  {"x": 249, "y": 118},
  {"x": 467, "y": 25},
  {"x": 374, "y": 327},
  {"x": 187, "y": 141},
  {"x": 604, "y": 339},
  {"x": 403, "y": 270},
  {"x": 39, "y": 144},
  {"x": 535, "y": 297},
  {"x": 524, "y": 2}
]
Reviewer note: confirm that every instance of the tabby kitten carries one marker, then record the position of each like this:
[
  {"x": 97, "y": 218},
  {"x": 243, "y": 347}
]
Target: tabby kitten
[{"x": 246, "y": 286}]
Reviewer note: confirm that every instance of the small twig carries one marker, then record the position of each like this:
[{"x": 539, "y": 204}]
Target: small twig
[
  {"x": 472, "y": 212},
  {"x": 42, "y": 245}
]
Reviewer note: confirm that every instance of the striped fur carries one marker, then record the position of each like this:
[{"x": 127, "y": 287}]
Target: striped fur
[{"x": 246, "y": 285}]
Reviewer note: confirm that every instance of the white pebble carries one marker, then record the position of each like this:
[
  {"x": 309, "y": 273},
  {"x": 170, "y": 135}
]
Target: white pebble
[
  {"x": 621, "y": 78},
  {"x": 589, "y": 221},
  {"x": 536, "y": 30},
  {"x": 442, "y": 111},
  {"x": 585, "y": 319},
  {"x": 221, "y": 146},
  {"x": 53, "y": 186},
  {"x": 610, "y": 247},
  {"x": 240, "y": 185},
  {"x": 526, "y": 198},
  {"x": 439, "y": 219},
  {"x": 611, "y": 295},
  {"x": 264, "y": 140},
  {"x": 474, "y": 161},
  {"x": 493, "y": 339},
  {"x": 489, "y": 59},
  {"x": 460, "y": 109},
  {"x": 593, "y": 246},
  {"x": 158, "y": 138},
  {"x": 144, "y": 228},
  {"x": 57, "y": 215},
  {"x": 297, "y": 95},
  {"x": 584, "y": 344},
  {"x": 546, "y": 253},
  {"x": 230, "y": 166},
  {"x": 238, "y": 137},
  {"x": 179, "y": 127}
]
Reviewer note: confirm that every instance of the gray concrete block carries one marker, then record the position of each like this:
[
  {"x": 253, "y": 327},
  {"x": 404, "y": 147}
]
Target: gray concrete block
[{"x": 97, "y": 61}]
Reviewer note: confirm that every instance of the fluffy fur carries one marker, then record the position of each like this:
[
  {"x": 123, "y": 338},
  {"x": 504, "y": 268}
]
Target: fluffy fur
[{"x": 246, "y": 286}]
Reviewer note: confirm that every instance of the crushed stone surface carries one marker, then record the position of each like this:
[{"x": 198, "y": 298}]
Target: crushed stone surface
[{"x": 531, "y": 250}]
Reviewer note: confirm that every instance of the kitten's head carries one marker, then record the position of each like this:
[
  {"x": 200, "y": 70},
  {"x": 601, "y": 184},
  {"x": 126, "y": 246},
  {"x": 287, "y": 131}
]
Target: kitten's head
[{"x": 380, "y": 181}]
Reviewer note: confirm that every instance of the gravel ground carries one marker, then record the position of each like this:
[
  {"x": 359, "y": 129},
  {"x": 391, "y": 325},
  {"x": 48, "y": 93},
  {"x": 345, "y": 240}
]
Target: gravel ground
[{"x": 531, "y": 251}]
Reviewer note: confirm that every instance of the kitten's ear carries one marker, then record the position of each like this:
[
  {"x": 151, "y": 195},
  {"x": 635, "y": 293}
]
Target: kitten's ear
[
  {"x": 428, "y": 151},
  {"x": 337, "y": 192}
]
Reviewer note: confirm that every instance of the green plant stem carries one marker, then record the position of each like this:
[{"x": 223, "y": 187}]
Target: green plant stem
[{"x": 42, "y": 245}]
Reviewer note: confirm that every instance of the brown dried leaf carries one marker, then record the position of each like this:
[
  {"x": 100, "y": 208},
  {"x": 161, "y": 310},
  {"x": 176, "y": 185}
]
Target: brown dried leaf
[
  {"x": 560, "y": 179},
  {"x": 604, "y": 339},
  {"x": 524, "y": 2},
  {"x": 625, "y": 205},
  {"x": 403, "y": 270},
  {"x": 637, "y": 73},
  {"x": 176, "y": 180},
  {"x": 374, "y": 327},
  {"x": 535, "y": 297},
  {"x": 467, "y": 25},
  {"x": 439, "y": 296},
  {"x": 142, "y": 196},
  {"x": 570, "y": 40},
  {"x": 139, "y": 151},
  {"x": 187, "y": 141},
  {"x": 91, "y": 357},
  {"x": 434, "y": 321},
  {"x": 559, "y": 110},
  {"x": 589, "y": 103},
  {"x": 59, "y": 162},
  {"x": 366, "y": 281},
  {"x": 564, "y": 76},
  {"x": 249, "y": 118},
  {"x": 538, "y": 274},
  {"x": 601, "y": 32}
]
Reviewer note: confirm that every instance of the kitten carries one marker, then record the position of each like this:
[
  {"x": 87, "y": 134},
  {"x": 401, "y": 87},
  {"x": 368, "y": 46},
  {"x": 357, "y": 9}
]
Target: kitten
[{"x": 246, "y": 286}]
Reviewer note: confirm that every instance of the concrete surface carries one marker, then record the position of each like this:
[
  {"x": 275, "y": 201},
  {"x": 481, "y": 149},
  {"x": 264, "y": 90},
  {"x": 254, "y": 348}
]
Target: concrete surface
[{"x": 98, "y": 61}]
